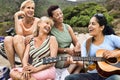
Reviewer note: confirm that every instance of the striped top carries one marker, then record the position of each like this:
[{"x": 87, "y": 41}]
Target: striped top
[
  {"x": 63, "y": 37},
  {"x": 38, "y": 53}
]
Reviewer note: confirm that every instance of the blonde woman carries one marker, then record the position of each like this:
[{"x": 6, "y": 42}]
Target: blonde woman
[
  {"x": 42, "y": 45},
  {"x": 25, "y": 25}
]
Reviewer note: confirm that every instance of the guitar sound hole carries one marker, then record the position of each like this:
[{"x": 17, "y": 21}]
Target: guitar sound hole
[{"x": 112, "y": 60}]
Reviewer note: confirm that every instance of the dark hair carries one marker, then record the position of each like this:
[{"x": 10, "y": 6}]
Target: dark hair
[
  {"x": 51, "y": 9},
  {"x": 101, "y": 19}
]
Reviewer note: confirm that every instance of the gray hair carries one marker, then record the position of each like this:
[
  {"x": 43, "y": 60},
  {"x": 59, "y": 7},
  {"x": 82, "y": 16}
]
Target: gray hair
[{"x": 46, "y": 19}]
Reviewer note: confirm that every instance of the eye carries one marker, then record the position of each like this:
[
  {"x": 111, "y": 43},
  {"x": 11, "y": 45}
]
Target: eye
[
  {"x": 47, "y": 22},
  {"x": 93, "y": 23},
  {"x": 90, "y": 23},
  {"x": 56, "y": 15},
  {"x": 61, "y": 13},
  {"x": 33, "y": 8},
  {"x": 28, "y": 7}
]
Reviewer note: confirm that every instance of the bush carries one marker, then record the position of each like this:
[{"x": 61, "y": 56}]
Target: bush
[
  {"x": 5, "y": 26},
  {"x": 80, "y": 15}
]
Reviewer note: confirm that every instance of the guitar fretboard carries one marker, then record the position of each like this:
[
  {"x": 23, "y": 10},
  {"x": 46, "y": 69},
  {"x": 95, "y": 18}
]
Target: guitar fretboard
[
  {"x": 56, "y": 59},
  {"x": 88, "y": 59}
]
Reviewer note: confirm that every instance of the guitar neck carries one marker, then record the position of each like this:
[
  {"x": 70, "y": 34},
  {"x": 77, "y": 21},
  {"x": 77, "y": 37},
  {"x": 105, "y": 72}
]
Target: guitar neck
[
  {"x": 48, "y": 60},
  {"x": 88, "y": 59},
  {"x": 56, "y": 59}
]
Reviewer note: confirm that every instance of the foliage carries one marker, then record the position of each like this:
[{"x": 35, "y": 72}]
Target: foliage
[
  {"x": 79, "y": 15},
  {"x": 5, "y": 26}
]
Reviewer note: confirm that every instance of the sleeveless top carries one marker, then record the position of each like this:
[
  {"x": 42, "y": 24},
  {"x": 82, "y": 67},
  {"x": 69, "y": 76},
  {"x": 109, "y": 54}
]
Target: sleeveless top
[
  {"x": 31, "y": 30},
  {"x": 36, "y": 54},
  {"x": 63, "y": 37},
  {"x": 64, "y": 41}
]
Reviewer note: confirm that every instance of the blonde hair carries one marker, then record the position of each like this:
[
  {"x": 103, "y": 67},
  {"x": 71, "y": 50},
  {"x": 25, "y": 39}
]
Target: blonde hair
[
  {"x": 46, "y": 19},
  {"x": 23, "y": 5}
]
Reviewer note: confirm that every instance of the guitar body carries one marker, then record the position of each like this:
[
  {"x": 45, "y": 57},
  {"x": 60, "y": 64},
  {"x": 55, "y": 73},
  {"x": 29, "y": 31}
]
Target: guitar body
[{"x": 106, "y": 69}]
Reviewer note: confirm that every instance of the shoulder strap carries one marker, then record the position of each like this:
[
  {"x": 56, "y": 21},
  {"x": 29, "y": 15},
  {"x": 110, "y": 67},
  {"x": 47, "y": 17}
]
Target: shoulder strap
[
  {"x": 88, "y": 43},
  {"x": 66, "y": 26}
]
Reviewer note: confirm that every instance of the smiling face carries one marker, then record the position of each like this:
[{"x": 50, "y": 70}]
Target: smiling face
[
  {"x": 45, "y": 25},
  {"x": 28, "y": 8},
  {"x": 94, "y": 27},
  {"x": 57, "y": 15}
]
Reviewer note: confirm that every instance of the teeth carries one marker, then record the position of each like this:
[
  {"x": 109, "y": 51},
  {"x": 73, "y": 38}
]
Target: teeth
[
  {"x": 30, "y": 13},
  {"x": 90, "y": 30},
  {"x": 47, "y": 29}
]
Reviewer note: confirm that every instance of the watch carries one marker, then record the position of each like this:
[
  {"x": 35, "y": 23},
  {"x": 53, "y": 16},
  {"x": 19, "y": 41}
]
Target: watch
[{"x": 64, "y": 50}]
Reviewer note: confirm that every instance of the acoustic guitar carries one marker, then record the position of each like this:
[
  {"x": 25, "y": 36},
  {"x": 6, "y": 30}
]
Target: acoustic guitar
[{"x": 105, "y": 67}]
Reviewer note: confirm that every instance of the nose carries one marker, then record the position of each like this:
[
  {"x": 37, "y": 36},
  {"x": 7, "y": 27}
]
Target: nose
[
  {"x": 61, "y": 15},
  {"x": 89, "y": 25},
  {"x": 49, "y": 25}
]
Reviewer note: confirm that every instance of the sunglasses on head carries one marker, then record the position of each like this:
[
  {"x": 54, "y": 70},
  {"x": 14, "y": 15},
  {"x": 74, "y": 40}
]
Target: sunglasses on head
[{"x": 99, "y": 15}]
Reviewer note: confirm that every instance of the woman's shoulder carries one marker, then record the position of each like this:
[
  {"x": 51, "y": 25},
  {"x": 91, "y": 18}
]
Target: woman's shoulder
[
  {"x": 112, "y": 37},
  {"x": 37, "y": 19},
  {"x": 52, "y": 37},
  {"x": 66, "y": 25}
]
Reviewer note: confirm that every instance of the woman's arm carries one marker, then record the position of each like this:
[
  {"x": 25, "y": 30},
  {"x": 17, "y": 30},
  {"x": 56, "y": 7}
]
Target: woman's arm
[
  {"x": 28, "y": 38},
  {"x": 53, "y": 46},
  {"x": 26, "y": 56},
  {"x": 118, "y": 54},
  {"x": 74, "y": 40},
  {"x": 18, "y": 28},
  {"x": 113, "y": 53}
]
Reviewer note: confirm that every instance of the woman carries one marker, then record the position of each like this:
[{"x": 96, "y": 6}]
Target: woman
[
  {"x": 102, "y": 38},
  {"x": 25, "y": 25},
  {"x": 65, "y": 36},
  {"x": 42, "y": 45}
]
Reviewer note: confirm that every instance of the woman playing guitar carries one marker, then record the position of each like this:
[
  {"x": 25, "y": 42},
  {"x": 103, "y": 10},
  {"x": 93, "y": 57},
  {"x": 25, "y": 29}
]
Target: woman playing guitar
[{"x": 103, "y": 40}]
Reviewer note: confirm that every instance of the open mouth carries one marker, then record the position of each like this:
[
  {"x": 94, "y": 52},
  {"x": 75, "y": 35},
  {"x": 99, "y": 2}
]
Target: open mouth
[
  {"x": 30, "y": 13},
  {"x": 90, "y": 30},
  {"x": 47, "y": 29}
]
